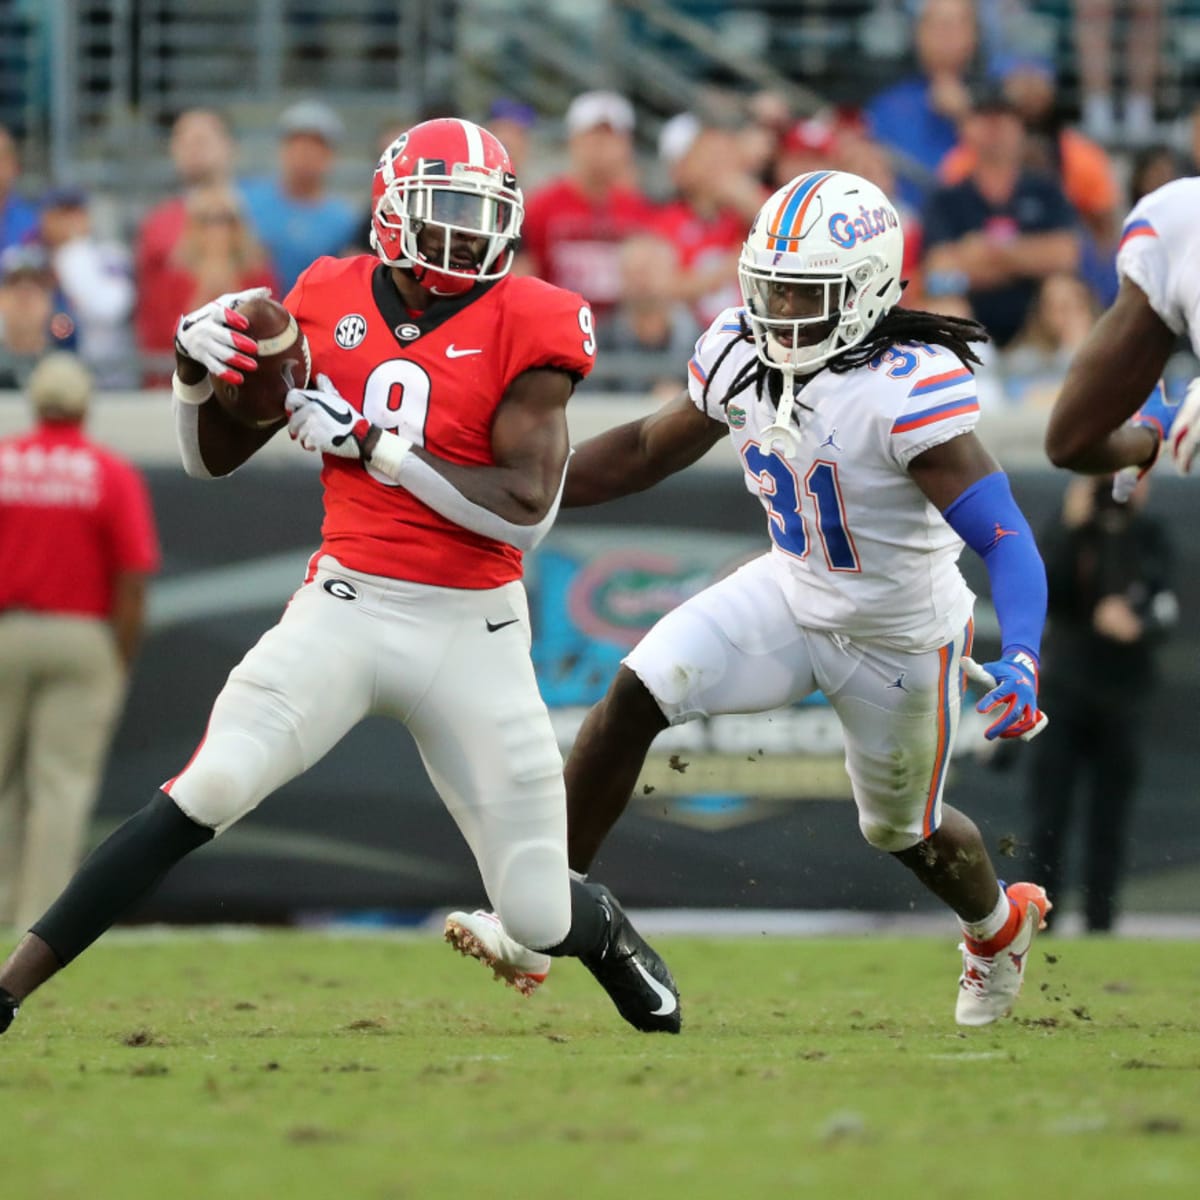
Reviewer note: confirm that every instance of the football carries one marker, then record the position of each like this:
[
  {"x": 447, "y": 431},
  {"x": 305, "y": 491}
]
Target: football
[{"x": 283, "y": 363}]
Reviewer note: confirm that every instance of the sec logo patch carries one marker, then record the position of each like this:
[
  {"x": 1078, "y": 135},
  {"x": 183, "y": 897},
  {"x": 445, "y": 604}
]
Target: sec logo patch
[{"x": 350, "y": 331}]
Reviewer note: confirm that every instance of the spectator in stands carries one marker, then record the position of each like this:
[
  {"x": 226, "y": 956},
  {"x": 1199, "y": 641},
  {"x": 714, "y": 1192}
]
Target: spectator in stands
[
  {"x": 1151, "y": 167},
  {"x": 574, "y": 224},
  {"x": 95, "y": 280},
  {"x": 77, "y": 543},
  {"x": 806, "y": 145},
  {"x": 293, "y": 214},
  {"x": 217, "y": 253},
  {"x": 18, "y": 217},
  {"x": 919, "y": 116},
  {"x": 1142, "y": 33},
  {"x": 1058, "y": 324},
  {"x": 512, "y": 121},
  {"x": 650, "y": 321},
  {"x": 1108, "y": 569},
  {"x": 1083, "y": 168},
  {"x": 714, "y": 203},
  {"x": 31, "y": 321},
  {"x": 996, "y": 234},
  {"x": 768, "y": 118},
  {"x": 202, "y": 152}
]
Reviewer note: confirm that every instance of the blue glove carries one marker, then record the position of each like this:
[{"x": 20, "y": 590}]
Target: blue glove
[
  {"x": 1158, "y": 415},
  {"x": 1015, "y": 690}
]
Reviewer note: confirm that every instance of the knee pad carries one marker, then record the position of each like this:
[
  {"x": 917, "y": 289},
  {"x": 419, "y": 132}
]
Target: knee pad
[
  {"x": 887, "y": 837},
  {"x": 223, "y": 782},
  {"x": 532, "y": 897}
]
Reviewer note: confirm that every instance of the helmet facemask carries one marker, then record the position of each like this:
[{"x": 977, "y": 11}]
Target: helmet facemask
[
  {"x": 836, "y": 313},
  {"x": 467, "y": 205}
]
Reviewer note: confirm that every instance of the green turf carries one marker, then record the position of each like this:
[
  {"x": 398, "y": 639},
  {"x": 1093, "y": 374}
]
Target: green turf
[{"x": 295, "y": 1066}]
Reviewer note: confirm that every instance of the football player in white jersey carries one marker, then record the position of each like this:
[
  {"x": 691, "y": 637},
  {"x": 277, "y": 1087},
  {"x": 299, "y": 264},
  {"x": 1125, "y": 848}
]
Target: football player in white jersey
[
  {"x": 854, "y": 421},
  {"x": 1097, "y": 425}
]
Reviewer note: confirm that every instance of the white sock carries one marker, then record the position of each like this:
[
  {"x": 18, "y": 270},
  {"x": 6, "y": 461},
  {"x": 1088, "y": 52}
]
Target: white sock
[
  {"x": 578, "y": 876},
  {"x": 985, "y": 930}
]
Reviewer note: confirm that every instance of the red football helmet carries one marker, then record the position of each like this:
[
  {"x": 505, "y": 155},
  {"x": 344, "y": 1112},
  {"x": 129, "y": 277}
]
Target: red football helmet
[{"x": 452, "y": 176}]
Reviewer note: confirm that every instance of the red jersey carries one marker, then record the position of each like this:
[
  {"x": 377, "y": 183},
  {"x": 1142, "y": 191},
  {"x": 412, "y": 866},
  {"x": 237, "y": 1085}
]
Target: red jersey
[
  {"x": 437, "y": 379},
  {"x": 576, "y": 243},
  {"x": 73, "y": 516},
  {"x": 701, "y": 242}
]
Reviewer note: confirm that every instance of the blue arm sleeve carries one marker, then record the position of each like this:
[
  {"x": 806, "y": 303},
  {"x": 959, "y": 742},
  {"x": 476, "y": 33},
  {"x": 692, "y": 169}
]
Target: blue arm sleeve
[{"x": 987, "y": 518}]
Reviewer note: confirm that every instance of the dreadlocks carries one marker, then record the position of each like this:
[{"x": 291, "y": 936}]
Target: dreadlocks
[
  {"x": 912, "y": 325},
  {"x": 897, "y": 327}
]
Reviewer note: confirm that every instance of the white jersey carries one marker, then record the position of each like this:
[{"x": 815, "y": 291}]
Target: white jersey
[
  {"x": 858, "y": 547},
  {"x": 1160, "y": 252}
]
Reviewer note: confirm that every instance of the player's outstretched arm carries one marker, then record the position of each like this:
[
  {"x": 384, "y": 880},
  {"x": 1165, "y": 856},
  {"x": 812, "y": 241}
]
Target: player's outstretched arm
[
  {"x": 1113, "y": 373},
  {"x": 966, "y": 484},
  {"x": 514, "y": 499},
  {"x": 630, "y": 458}
]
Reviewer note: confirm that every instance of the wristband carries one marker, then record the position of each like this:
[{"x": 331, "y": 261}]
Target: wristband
[
  {"x": 388, "y": 454},
  {"x": 191, "y": 393}
]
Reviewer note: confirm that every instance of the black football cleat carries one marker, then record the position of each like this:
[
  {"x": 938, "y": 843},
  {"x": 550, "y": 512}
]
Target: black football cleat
[
  {"x": 8, "y": 1009},
  {"x": 632, "y": 973}
]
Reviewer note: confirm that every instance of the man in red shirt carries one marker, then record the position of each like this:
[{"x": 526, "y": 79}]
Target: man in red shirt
[
  {"x": 77, "y": 542},
  {"x": 715, "y": 200},
  {"x": 440, "y": 413},
  {"x": 574, "y": 225}
]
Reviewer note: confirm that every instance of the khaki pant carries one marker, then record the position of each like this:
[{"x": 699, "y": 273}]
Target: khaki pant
[{"x": 61, "y": 688}]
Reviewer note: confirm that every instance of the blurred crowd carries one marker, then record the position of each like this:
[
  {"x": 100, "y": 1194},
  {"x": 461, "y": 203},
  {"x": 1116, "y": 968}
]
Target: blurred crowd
[{"x": 1011, "y": 211}]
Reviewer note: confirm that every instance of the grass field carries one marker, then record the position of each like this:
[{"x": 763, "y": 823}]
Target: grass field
[{"x": 296, "y": 1066}]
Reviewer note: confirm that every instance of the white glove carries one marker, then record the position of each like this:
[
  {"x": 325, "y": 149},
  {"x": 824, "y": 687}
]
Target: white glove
[
  {"x": 213, "y": 337},
  {"x": 1125, "y": 483},
  {"x": 321, "y": 420},
  {"x": 1185, "y": 431}
]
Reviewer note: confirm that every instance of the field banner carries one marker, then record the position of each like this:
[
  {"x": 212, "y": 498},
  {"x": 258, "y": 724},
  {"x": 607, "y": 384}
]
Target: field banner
[{"x": 738, "y": 811}]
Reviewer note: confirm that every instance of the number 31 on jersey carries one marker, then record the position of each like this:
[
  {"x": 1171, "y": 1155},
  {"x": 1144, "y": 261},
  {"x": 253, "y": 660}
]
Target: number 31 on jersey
[{"x": 780, "y": 488}]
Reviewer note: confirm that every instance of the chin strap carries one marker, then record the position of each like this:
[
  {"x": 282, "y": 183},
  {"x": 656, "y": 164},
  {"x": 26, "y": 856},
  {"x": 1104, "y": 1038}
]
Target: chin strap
[{"x": 780, "y": 430}]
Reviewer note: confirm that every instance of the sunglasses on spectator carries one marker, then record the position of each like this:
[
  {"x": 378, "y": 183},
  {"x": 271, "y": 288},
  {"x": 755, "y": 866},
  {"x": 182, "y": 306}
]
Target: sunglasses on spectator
[{"x": 222, "y": 216}]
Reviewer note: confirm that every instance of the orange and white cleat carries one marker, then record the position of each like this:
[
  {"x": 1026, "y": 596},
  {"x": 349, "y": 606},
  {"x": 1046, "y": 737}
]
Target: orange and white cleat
[
  {"x": 993, "y": 971},
  {"x": 480, "y": 935}
]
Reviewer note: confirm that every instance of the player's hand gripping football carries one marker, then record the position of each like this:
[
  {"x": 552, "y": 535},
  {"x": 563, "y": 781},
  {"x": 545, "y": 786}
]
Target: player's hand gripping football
[
  {"x": 1012, "y": 683},
  {"x": 321, "y": 420},
  {"x": 212, "y": 336},
  {"x": 1160, "y": 416}
]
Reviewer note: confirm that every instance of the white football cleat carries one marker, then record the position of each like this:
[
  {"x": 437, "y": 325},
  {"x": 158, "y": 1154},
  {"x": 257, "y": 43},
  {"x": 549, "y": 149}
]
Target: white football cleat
[
  {"x": 480, "y": 935},
  {"x": 992, "y": 975}
]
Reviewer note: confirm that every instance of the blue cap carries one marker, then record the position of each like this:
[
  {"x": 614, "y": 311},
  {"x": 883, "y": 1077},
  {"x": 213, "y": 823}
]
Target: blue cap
[{"x": 505, "y": 108}]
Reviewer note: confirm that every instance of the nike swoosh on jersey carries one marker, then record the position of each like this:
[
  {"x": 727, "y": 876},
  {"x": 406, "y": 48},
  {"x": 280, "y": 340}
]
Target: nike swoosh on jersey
[
  {"x": 499, "y": 624},
  {"x": 452, "y": 351},
  {"x": 669, "y": 1002}
]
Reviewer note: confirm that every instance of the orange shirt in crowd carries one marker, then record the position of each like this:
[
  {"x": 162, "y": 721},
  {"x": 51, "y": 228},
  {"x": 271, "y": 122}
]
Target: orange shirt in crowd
[{"x": 1087, "y": 174}]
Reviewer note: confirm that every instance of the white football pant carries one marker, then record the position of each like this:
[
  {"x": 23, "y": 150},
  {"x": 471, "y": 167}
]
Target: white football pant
[
  {"x": 736, "y": 648},
  {"x": 453, "y": 665}
]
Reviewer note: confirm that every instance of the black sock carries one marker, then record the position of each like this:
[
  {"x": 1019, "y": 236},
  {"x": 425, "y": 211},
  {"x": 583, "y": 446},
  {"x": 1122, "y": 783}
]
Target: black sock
[
  {"x": 118, "y": 873},
  {"x": 589, "y": 924}
]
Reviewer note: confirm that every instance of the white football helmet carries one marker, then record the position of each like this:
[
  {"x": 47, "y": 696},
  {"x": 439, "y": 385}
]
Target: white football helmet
[{"x": 838, "y": 237}]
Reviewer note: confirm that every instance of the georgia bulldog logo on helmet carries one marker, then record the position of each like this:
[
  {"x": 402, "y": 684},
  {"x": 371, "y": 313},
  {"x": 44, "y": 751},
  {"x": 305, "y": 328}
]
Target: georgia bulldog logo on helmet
[{"x": 445, "y": 205}]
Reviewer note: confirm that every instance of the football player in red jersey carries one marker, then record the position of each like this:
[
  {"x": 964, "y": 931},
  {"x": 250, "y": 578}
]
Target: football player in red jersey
[{"x": 440, "y": 413}]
